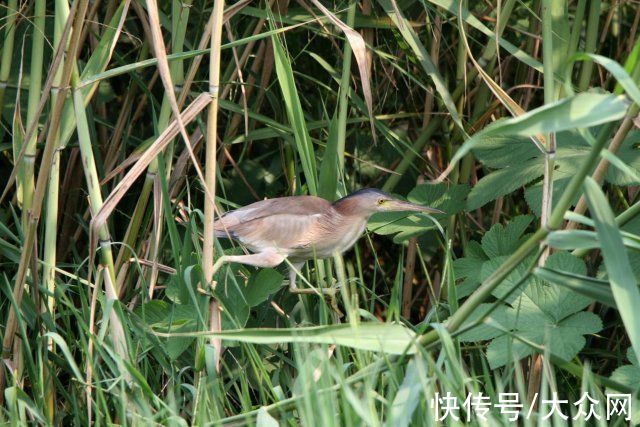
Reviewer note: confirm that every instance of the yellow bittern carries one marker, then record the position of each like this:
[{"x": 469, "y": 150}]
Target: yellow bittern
[{"x": 301, "y": 228}]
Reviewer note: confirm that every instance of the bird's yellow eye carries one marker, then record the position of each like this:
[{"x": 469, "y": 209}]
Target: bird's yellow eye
[{"x": 380, "y": 201}]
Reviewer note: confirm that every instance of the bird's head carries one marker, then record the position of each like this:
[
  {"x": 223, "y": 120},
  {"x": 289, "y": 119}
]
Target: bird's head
[{"x": 371, "y": 200}]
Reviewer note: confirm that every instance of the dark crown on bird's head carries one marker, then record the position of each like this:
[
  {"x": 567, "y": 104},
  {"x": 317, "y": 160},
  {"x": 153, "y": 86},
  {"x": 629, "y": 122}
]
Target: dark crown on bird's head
[
  {"x": 368, "y": 192},
  {"x": 361, "y": 202}
]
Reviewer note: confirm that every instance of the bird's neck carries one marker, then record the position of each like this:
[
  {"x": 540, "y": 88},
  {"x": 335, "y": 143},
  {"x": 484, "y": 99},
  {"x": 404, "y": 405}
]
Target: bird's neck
[{"x": 350, "y": 207}]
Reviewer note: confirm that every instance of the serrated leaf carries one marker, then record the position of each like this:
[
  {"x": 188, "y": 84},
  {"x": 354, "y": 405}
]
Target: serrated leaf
[
  {"x": 501, "y": 241},
  {"x": 564, "y": 339},
  {"x": 579, "y": 111},
  {"x": 499, "y": 151},
  {"x": 483, "y": 332},
  {"x": 503, "y": 182},
  {"x": 469, "y": 269},
  {"x": 513, "y": 161}
]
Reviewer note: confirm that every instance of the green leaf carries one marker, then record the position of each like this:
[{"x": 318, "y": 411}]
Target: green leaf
[
  {"x": 407, "y": 398},
  {"x": 564, "y": 339},
  {"x": 295, "y": 114},
  {"x": 502, "y": 241},
  {"x": 597, "y": 290},
  {"x": 579, "y": 111},
  {"x": 629, "y": 154},
  {"x": 621, "y": 75},
  {"x": 161, "y": 315},
  {"x": 390, "y": 338},
  {"x": 503, "y": 182},
  {"x": 537, "y": 312},
  {"x": 261, "y": 285},
  {"x": 518, "y": 163},
  {"x": 629, "y": 375},
  {"x": 484, "y": 332},
  {"x": 469, "y": 268},
  {"x": 621, "y": 277}
]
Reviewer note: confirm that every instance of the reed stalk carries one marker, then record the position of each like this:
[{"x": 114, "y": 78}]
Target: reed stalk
[
  {"x": 9, "y": 24},
  {"x": 215, "y": 321}
]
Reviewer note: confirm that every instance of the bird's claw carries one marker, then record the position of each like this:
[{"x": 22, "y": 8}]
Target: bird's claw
[
  {"x": 330, "y": 293},
  {"x": 207, "y": 291}
]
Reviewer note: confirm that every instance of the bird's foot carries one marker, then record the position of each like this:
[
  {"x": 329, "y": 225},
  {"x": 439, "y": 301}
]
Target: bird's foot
[
  {"x": 208, "y": 290},
  {"x": 330, "y": 293}
]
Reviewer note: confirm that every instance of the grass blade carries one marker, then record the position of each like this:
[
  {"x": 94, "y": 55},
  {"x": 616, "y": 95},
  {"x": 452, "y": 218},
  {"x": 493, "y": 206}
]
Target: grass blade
[{"x": 623, "y": 283}]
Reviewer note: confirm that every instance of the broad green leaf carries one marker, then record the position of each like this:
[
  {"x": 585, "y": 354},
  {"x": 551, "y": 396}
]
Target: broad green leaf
[
  {"x": 621, "y": 277},
  {"x": 500, "y": 151},
  {"x": 261, "y": 285},
  {"x": 503, "y": 182},
  {"x": 629, "y": 375},
  {"x": 598, "y": 290},
  {"x": 537, "y": 311},
  {"x": 501, "y": 240},
  {"x": 161, "y": 315},
  {"x": 483, "y": 331},
  {"x": 469, "y": 268},
  {"x": 390, "y": 338},
  {"x": 564, "y": 339},
  {"x": 538, "y": 296},
  {"x": 579, "y": 111},
  {"x": 621, "y": 75},
  {"x": 515, "y": 160}
]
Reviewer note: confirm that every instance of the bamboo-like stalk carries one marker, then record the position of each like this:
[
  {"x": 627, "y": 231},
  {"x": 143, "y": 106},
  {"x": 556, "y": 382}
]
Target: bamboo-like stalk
[
  {"x": 51, "y": 222},
  {"x": 76, "y": 19},
  {"x": 9, "y": 24},
  {"x": 550, "y": 49},
  {"x": 590, "y": 44},
  {"x": 25, "y": 175},
  {"x": 210, "y": 177},
  {"x": 343, "y": 103}
]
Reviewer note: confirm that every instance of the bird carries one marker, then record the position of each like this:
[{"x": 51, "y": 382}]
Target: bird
[{"x": 302, "y": 228}]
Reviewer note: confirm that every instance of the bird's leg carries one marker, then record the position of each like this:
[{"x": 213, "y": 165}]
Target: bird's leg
[
  {"x": 264, "y": 259},
  {"x": 293, "y": 275}
]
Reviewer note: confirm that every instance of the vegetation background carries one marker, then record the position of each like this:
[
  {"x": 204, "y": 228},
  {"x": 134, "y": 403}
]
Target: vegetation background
[{"x": 121, "y": 121}]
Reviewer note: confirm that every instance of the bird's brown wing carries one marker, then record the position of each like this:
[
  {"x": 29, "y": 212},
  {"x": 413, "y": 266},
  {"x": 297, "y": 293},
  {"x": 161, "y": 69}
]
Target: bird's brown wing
[
  {"x": 283, "y": 222},
  {"x": 282, "y": 231}
]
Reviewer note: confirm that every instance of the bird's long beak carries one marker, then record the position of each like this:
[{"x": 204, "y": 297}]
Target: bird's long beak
[{"x": 399, "y": 205}]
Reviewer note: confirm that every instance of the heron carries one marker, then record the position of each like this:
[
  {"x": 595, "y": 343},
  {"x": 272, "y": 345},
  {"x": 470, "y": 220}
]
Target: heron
[{"x": 302, "y": 228}]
